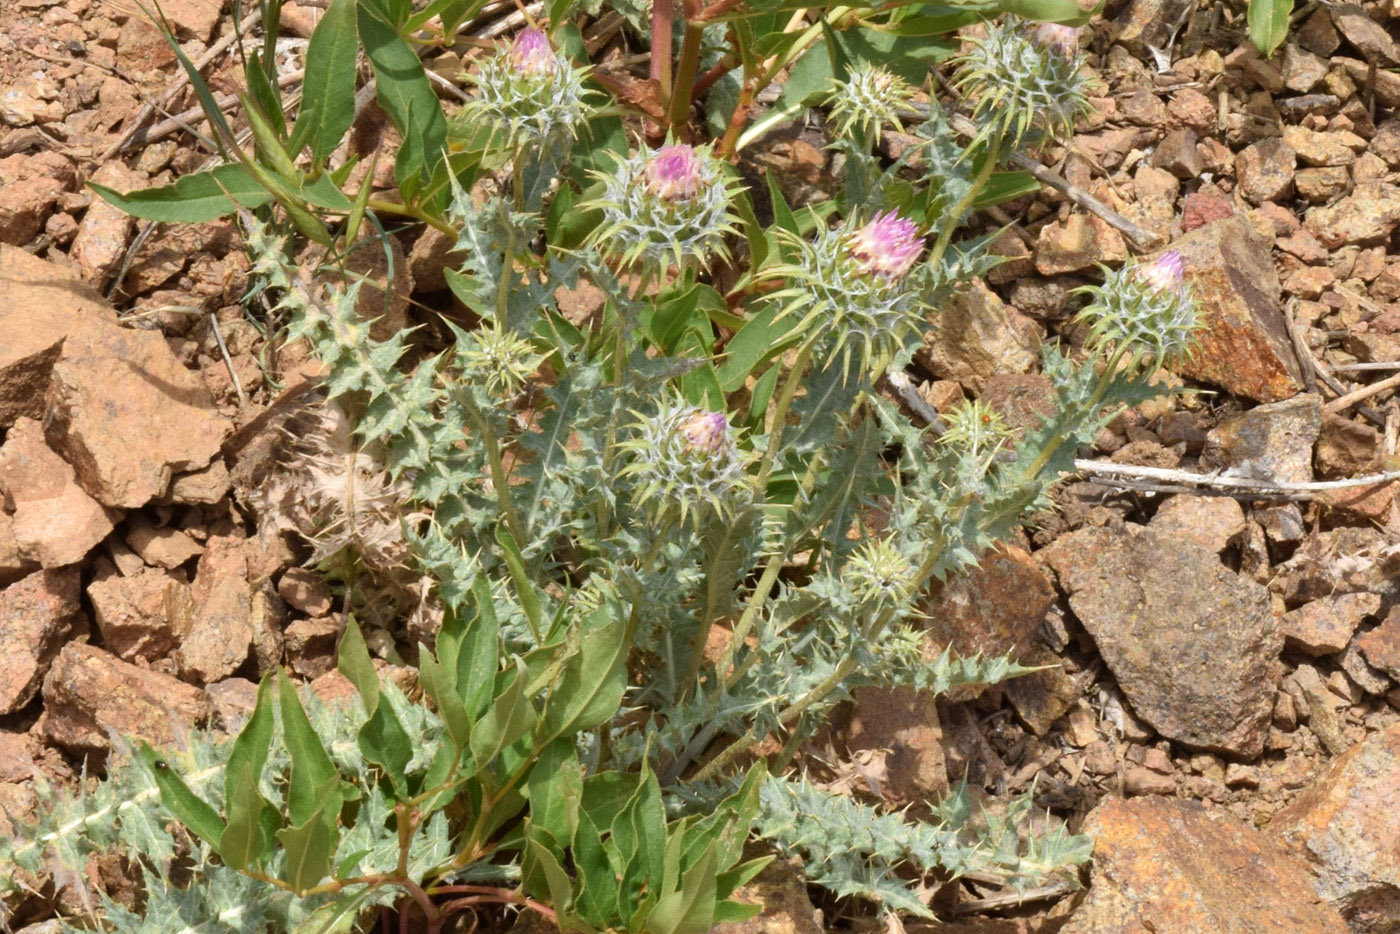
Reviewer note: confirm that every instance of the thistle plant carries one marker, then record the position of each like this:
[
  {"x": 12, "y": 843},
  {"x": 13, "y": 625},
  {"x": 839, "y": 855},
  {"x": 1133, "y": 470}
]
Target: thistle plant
[
  {"x": 665, "y": 537},
  {"x": 661, "y": 208}
]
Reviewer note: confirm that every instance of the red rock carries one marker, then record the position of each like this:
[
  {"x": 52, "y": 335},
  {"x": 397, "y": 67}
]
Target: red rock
[
  {"x": 105, "y": 229},
  {"x": 40, "y": 305},
  {"x": 90, "y": 693},
  {"x": 1163, "y": 865},
  {"x": 1381, "y": 645},
  {"x": 37, "y": 615},
  {"x": 141, "y": 616},
  {"x": 1203, "y": 206},
  {"x": 1244, "y": 347},
  {"x": 55, "y": 523},
  {"x": 128, "y": 416},
  {"x": 1324, "y": 626},
  {"x": 1346, "y": 825}
]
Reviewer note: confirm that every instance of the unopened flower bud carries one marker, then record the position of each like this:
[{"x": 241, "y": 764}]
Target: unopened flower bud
[
  {"x": 1165, "y": 274},
  {"x": 1062, "y": 39},
  {"x": 705, "y": 432},
  {"x": 887, "y": 246},
  {"x": 530, "y": 53},
  {"x": 673, "y": 174}
]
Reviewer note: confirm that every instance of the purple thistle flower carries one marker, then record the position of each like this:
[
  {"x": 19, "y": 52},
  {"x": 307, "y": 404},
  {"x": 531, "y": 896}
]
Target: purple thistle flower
[
  {"x": 887, "y": 246},
  {"x": 530, "y": 53},
  {"x": 1165, "y": 273},
  {"x": 1062, "y": 39},
  {"x": 673, "y": 174},
  {"x": 705, "y": 432}
]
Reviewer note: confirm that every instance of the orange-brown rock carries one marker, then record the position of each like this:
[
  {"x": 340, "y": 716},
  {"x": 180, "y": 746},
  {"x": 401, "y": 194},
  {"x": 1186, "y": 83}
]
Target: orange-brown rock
[
  {"x": 55, "y": 522},
  {"x": 1346, "y": 825},
  {"x": 1162, "y": 864},
  {"x": 1244, "y": 346},
  {"x": 37, "y": 615},
  {"x": 90, "y": 693}
]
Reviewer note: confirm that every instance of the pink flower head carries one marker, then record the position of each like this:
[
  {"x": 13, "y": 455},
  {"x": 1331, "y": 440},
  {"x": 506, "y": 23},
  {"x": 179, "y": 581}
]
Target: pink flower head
[
  {"x": 705, "y": 432},
  {"x": 1062, "y": 39},
  {"x": 673, "y": 174},
  {"x": 1165, "y": 273},
  {"x": 887, "y": 246},
  {"x": 530, "y": 53}
]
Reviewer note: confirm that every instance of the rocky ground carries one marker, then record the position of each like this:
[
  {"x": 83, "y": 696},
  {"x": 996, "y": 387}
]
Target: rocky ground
[{"x": 1219, "y": 702}]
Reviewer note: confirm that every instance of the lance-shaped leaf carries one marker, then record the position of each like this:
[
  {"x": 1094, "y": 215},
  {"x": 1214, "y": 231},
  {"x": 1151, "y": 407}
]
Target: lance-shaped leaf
[
  {"x": 382, "y": 739},
  {"x": 193, "y": 811},
  {"x": 590, "y": 690},
  {"x": 328, "y": 90},
  {"x": 251, "y": 819},
  {"x": 312, "y": 767}
]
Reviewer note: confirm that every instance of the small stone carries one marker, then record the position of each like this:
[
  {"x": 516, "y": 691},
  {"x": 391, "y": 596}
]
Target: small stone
[
  {"x": 89, "y": 695},
  {"x": 55, "y": 523},
  {"x": 1138, "y": 780},
  {"x": 1193, "y": 645},
  {"x": 1178, "y": 155},
  {"x": 1334, "y": 148},
  {"x": 1042, "y": 697},
  {"x": 163, "y": 547},
  {"x": 1325, "y": 626},
  {"x": 1212, "y": 522},
  {"x": 38, "y": 614},
  {"x": 311, "y": 645},
  {"x": 1381, "y": 646},
  {"x": 234, "y": 700},
  {"x": 1318, "y": 35},
  {"x": 228, "y": 614},
  {"x": 203, "y": 487},
  {"x": 1302, "y": 70},
  {"x": 1353, "y": 662},
  {"x": 1142, "y": 107},
  {"x": 1365, "y": 35},
  {"x": 1203, "y": 206},
  {"x": 1366, "y": 216},
  {"x": 305, "y": 590},
  {"x": 1318, "y": 705},
  {"x": 1320, "y": 185},
  {"x": 141, "y": 616},
  {"x": 1383, "y": 81},
  {"x": 1309, "y": 282},
  {"x": 40, "y": 305},
  {"x": 1346, "y": 825},
  {"x": 975, "y": 335},
  {"x": 1345, "y": 448},
  {"x": 1386, "y": 142},
  {"x": 1272, "y": 442},
  {"x": 1282, "y": 522},
  {"x": 106, "y": 229},
  {"x": 1296, "y": 108},
  {"x": 1079, "y": 242},
  {"x": 1186, "y": 870},
  {"x": 1265, "y": 170}
]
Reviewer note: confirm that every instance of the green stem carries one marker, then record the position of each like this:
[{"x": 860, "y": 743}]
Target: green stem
[
  {"x": 780, "y": 412},
  {"x": 679, "y": 113},
  {"x": 409, "y": 210},
  {"x": 965, "y": 202},
  {"x": 498, "y": 470}
]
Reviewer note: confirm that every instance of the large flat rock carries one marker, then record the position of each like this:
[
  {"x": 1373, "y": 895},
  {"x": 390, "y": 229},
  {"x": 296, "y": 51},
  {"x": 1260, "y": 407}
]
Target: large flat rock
[
  {"x": 40, "y": 305},
  {"x": 1346, "y": 824},
  {"x": 1193, "y": 645},
  {"x": 128, "y": 415},
  {"x": 1170, "y": 867}
]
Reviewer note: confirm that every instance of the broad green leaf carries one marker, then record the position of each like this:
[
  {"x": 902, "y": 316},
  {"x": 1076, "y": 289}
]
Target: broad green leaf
[
  {"x": 597, "y": 868},
  {"x": 509, "y": 717},
  {"x": 1004, "y": 186},
  {"x": 382, "y": 738},
  {"x": 337, "y": 917},
  {"x": 761, "y": 338},
  {"x": 594, "y": 680},
  {"x": 555, "y": 789},
  {"x": 191, "y": 199},
  {"x": 1068, "y": 12},
  {"x": 193, "y": 811},
  {"x": 691, "y": 910},
  {"x": 328, "y": 90},
  {"x": 252, "y": 820},
  {"x": 440, "y": 687},
  {"x": 1268, "y": 24},
  {"x": 404, "y": 92},
  {"x": 311, "y": 844},
  {"x": 311, "y": 766},
  {"x": 524, "y": 587},
  {"x": 479, "y": 655},
  {"x": 540, "y": 861}
]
